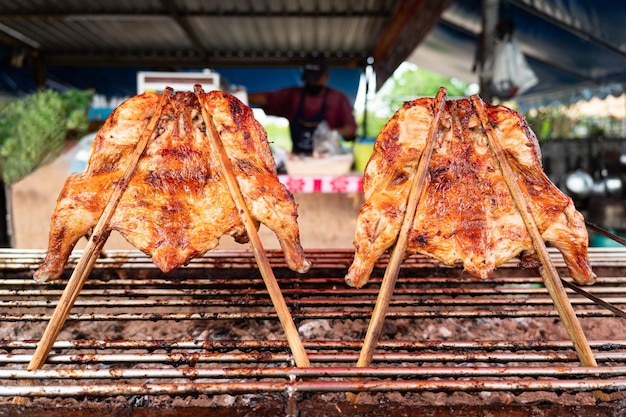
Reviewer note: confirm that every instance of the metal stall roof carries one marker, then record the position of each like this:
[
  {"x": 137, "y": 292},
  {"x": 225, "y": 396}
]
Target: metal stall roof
[
  {"x": 102, "y": 45},
  {"x": 576, "y": 47}
]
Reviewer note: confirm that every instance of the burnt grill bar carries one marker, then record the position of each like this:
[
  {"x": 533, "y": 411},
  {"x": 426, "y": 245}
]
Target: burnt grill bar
[
  {"x": 213, "y": 388},
  {"x": 323, "y": 315},
  {"x": 517, "y": 345},
  {"x": 334, "y": 372},
  {"x": 192, "y": 359},
  {"x": 224, "y": 289}
]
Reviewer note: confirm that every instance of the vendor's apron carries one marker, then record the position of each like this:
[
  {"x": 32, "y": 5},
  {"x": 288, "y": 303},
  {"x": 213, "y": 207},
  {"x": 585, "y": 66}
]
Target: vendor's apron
[{"x": 302, "y": 128}]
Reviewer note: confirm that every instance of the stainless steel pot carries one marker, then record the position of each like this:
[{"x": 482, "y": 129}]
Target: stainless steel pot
[
  {"x": 605, "y": 185},
  {"x": 578, "y": 183}
]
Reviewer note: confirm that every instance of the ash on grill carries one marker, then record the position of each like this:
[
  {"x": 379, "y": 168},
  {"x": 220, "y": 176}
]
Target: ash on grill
[{"x": 207, "y": 334}]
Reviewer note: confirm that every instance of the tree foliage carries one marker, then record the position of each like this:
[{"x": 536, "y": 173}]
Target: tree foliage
[
  {"x": 33, "y": 129},
  {"x": 415, "y": 82},
  {"x": 408, "y": 83}
]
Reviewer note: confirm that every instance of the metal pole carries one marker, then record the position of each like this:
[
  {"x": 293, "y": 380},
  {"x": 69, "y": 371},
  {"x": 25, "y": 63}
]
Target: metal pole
[{"x": 486, "y": 47}]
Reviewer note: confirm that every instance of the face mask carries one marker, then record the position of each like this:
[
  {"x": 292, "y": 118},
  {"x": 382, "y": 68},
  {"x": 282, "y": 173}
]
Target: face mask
[{"x": 313, "y": 89}]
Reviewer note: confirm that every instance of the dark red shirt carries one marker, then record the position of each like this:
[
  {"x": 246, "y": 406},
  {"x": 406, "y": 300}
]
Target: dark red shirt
[{"x": 284, "y": 103}]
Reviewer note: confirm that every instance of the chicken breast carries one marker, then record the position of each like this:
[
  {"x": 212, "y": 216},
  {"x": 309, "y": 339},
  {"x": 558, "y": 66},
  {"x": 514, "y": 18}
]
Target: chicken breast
[
  {"x": 466, "y": 213},
  {"x": 177, "y": 204}
]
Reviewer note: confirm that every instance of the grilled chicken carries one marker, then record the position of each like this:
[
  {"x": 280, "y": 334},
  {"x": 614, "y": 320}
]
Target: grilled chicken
[
  {"x": 466, "y": 212},
  {"x": 177, "y": 204}
]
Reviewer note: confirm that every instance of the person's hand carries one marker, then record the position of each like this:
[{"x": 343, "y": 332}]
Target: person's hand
[
  {"x": 347, "y": 133},
  {"x": 257, "y": 99}
]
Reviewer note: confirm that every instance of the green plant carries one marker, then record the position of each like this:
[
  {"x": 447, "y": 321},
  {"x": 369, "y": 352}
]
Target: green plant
[
  {"x": 33, "y": 129},
  {"x": 76, "y": 108}
]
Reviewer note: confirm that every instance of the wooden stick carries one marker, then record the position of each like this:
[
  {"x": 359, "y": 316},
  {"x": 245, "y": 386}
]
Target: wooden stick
[
  {"x": 295, "y": 343},
  {"x": 548, "y": 271},
  {"x": 393, "y": 267},
  {"x": 92, "y": 250}
]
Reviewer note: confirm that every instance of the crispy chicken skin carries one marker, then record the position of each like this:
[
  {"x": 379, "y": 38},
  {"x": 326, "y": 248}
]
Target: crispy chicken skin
[
  {"x": 466, "y": 212},
  {"x": 177, "y": 204}
]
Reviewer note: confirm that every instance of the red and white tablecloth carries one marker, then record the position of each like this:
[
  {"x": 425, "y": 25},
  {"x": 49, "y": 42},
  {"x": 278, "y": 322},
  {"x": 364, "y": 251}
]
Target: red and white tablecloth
[{"x": 323, "y": 183}]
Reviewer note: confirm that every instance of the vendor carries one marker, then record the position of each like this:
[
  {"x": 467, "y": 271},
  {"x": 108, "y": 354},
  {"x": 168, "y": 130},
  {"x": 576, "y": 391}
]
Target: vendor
[{"x": 306, "y": 106}]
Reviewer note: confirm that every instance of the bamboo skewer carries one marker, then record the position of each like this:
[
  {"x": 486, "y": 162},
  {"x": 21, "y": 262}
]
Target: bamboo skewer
[
  {"x": 548, "y": 271},
  {"x": 393, "y": 267},
  {"x": 92, "y": 250},
  {"x": 295, "y": 343}
]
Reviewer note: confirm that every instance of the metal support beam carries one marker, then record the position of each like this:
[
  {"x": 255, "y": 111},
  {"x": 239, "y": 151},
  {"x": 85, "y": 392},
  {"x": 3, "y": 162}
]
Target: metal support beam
[
  {"x": 489, "y": 20},
  {"x": 408, "y": 25}
]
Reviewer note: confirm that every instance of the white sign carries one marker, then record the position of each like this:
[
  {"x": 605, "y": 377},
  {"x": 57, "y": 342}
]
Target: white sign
[{"x": 156, "y": 81}]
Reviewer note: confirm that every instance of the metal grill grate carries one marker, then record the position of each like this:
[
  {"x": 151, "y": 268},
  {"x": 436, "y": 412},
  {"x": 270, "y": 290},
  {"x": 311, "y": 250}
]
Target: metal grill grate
[{"x": 210, "y": 328}]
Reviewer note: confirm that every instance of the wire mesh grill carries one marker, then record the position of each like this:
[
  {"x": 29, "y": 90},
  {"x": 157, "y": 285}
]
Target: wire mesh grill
[{"x": 210, "y": 327}]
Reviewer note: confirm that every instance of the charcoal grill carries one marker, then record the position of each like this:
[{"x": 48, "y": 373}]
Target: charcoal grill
[{"x": 135, "y": 331}]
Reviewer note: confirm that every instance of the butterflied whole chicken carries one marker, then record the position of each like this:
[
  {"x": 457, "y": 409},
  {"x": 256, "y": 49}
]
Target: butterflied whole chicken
[
  {"x": 177, "y": 204},
  {"x": 465, "y": 212}
]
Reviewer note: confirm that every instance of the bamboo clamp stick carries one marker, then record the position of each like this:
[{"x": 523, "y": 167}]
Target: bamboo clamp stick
[
  {"x": 92, "y": 250},
  {"x": 393, "y": 267},
  {"x": 295, "y": 343},
  {"x": 548, "y": 271}
]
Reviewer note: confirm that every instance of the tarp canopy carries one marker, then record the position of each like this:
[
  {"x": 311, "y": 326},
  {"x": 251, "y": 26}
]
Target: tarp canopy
[{"x": 577, "y": 48}]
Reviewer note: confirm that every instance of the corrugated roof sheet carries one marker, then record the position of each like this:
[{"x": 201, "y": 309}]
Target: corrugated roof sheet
[
  {"x": 47, "y": 38},
  {"x": 192, "y": 33}
]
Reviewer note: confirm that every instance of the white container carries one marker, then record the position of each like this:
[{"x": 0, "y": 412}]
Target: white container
[{"x": 333, "y": 165}]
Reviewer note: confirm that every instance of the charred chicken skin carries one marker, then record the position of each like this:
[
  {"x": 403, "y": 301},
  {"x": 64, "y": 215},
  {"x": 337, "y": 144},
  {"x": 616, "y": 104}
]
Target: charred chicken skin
[
  {"x": 177, "y": 205},
  {"x": 465, "y": 212}
]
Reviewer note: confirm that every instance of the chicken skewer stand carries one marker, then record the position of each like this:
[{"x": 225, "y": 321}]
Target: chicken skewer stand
[
  {"x": 172, "y": 193},
  {"x": 485, "y": 200}
]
